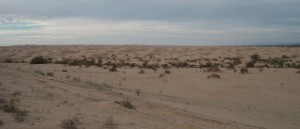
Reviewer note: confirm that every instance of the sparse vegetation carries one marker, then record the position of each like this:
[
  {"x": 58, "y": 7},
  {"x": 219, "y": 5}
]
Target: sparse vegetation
[
  {"x": 138, "y": 92},
  {"x": 244, "y": 70},
  {"x": 8, "y": 61},
  {"x": 64, "y": 70},
  {"x": 70, "y": 123},
  {"x": 214, "y": 76},
  {"x": 161, "y": 75},
  {"x": 1, "y": 123},
  {"x": 255, "y": 57},
  {"x": 250, "y": 64},
  {"x": 126, "y": 104},
  {"x": 39, "y": 72},
  {"x": 109, "y": 123},
  {"x": 38, "y": 60},
  {"x": 50, "y": 74},
  {"x": 167, "y": 71},
  {"x": 142, "y": 71},
  {"x": 19, "y": 116}
]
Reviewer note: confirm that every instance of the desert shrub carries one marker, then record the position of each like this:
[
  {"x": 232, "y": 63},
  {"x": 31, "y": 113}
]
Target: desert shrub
[
  {"x": 8, "y": 61},
  {"x": 50, "y": 74},
  {"x": 0, "y": 83},
  {"x": 255, "y": 57},
  {"x": 39, "y": 72},
  {"x": 213, "y": 69},
  {"x": 126, "y": 104},
  {"x": 161, "y": 75},
  {"x": 142, "y": 71},
  {"x": 64, "y": 70},
  {"x": 250, "y": 64},
  {"x": 76, "y": 79},
  {"x": 11, "y": 106},
  {"x": 261, "y": 69},
  {"x": 214, "y": 76},
  {"x": 285, "y": 57},
  {"x": 38, "y": 60},
  {"x": 19, "y": 116},
  {"x": 70, "y": 123},
  {"x": 167, "y": 71},
  {"x": 138, "y": 92},
  {"x": 103, "y": 86},
  {"x": 298, "y": 72},
  {"x": 244, "y": 70},
  {"x": 1, "y": 123},
  {"x": 113, "y": 69},
  {"x": 109, "y": 123}
]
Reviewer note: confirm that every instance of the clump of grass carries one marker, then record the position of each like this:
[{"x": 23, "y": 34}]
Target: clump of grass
[
  {"x": 214, "y": 76},
  {"x": 126, "y": 104},
  {"x": 138, "y": 92},
  {"x": 298, "y": 72},
  {"x": 244, "y": 70},
  {"x": 51, "y": 74},
  {"x": 70, "y": 123},
  {"x": 64, "y": 70},
  {"x": 109, "y": 123}
]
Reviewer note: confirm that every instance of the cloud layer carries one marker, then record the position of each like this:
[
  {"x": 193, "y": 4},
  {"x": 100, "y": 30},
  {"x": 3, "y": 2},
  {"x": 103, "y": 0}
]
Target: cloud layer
[{"x": 189, "y": 22}]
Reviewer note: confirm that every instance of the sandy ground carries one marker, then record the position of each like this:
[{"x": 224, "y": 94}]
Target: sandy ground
[{"x": 183, "y": 99}]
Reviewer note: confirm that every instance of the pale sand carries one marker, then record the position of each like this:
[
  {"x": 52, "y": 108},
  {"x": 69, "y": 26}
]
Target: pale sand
[{"x": 184, "y": 99}]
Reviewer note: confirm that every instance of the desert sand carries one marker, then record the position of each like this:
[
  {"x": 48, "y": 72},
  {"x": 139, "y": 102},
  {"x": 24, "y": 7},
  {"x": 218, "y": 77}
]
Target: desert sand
[{"x": 168, "y": 86}]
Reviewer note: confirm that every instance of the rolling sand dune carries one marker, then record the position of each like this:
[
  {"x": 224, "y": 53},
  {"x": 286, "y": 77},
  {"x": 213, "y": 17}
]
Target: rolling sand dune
[{"x": 169, "y": 87}]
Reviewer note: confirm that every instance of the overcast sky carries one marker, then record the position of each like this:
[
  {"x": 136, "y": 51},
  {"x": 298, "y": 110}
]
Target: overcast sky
[{"x": 158, "y": 22}]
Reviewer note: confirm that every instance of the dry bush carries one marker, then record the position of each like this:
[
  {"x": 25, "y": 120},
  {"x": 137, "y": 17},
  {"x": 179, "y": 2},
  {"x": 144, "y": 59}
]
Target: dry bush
[
  {"x": 1, "y": 123},
  {"x": 142, "y": 71},
  {"x": 244, "y": 70},
  {"x": 113, "y": 69},
  {"x": 214, "y": 76},
  {"x": 126, "y": 104},
  {"x": 64, "y": 70},
  {"x": 19, "y": 116},
  {"x": 38, "y": 60},
  {"x": 213, "y": 69},
  {"x": 39, "y": 72},
  {"x": 76, "y": 79},
  {"x": 167, "y": 71},
  {"x": 298, "y": 72},
  {"x": 50, "y": 74},
  {"x": 109, "y": 123},
  {"x": 70, "y": 123},
  {"x": 11, "y": 106},
  {"x": 161, "y": 75},
  {"x": 138, "y": 92}
]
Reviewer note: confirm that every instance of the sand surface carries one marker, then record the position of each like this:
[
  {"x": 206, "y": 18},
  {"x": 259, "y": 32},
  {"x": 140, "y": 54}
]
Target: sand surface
[{"x": 183, "y": 99}]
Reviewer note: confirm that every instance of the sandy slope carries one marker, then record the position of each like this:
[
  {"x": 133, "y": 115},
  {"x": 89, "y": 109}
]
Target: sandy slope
[{"x": 185, "y": 99}]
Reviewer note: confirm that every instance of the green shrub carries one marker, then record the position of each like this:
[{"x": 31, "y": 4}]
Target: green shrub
[{"x": 38, "y": 60}]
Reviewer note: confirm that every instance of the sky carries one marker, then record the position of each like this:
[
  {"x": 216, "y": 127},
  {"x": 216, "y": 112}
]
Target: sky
[{"x": 149, "y": 22}]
